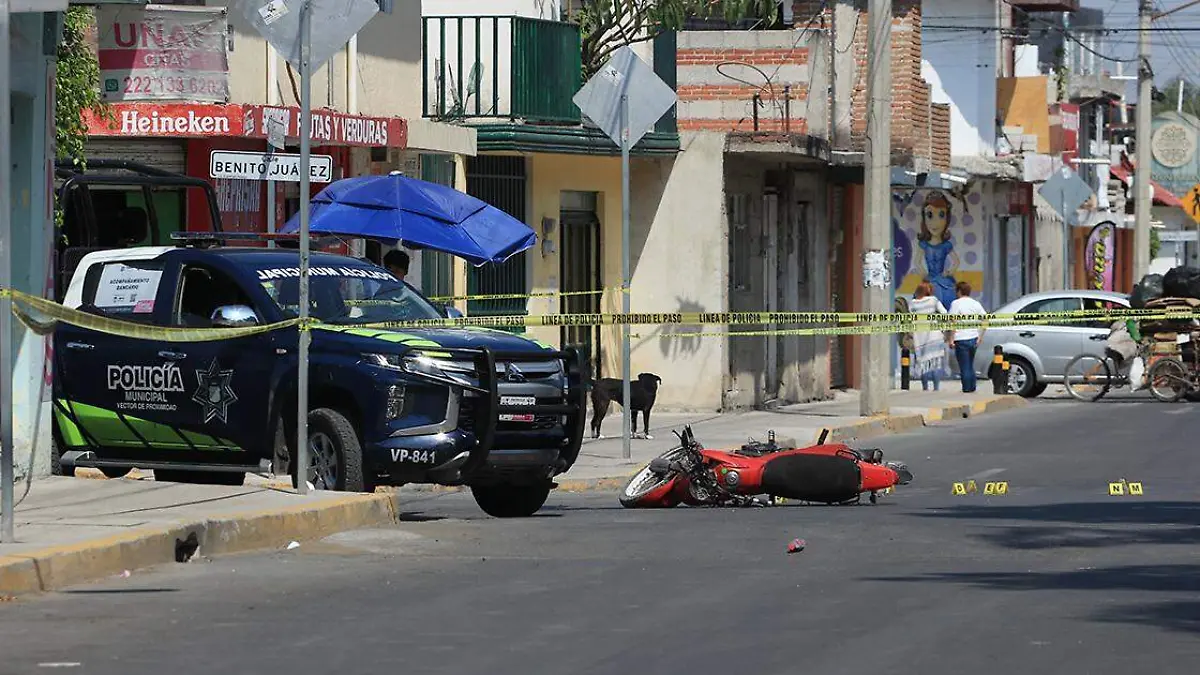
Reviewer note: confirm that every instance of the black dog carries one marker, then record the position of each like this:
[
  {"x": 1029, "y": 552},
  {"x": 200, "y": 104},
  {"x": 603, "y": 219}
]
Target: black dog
[{"x": 643, "y": 391}]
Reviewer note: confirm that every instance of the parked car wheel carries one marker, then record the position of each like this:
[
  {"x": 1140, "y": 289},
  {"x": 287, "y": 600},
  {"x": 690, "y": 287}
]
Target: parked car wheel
[{"x": 1022, "y": 379}]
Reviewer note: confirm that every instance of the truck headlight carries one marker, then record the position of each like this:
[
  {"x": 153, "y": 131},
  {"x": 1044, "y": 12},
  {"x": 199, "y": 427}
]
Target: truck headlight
[
  {"x": 391, "y": 361},
  {"x": 438, "y": 368}
]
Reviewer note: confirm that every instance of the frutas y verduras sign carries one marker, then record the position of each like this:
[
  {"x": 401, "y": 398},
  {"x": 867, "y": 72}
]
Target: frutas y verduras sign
[
  {"x": 330, "y": 128},
  {"x": 162, "y": 53}
]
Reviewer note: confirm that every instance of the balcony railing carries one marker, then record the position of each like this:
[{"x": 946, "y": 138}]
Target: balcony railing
[{"x": 500, "y": 67}]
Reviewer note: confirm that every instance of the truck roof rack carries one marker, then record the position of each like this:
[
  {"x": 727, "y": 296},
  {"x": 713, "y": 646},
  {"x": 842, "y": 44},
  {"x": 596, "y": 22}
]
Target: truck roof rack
[
  {"x": 209, "y": 239},
  {"x": 66, "y": 167}
]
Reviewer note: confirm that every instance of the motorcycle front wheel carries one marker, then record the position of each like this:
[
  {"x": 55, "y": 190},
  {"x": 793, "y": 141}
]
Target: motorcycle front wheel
[{"x": 647, "y": 482}]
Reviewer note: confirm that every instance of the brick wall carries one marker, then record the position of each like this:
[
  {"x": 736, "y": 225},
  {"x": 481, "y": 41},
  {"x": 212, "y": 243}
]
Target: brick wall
[
  {"x": 720, "y": 71},
  {"x": 911, "y": 108},
  {"x": 939, "y": 135}
]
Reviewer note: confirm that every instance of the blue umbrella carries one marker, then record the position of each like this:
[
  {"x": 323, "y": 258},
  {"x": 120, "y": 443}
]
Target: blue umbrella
[{"x": 397, "y": 209}]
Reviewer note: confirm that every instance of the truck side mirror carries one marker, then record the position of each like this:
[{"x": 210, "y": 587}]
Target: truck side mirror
[{"x": 234, "y": 316}]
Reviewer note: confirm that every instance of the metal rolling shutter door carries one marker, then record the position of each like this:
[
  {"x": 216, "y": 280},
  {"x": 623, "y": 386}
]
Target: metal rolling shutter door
[{"x": 165, "y": 154}]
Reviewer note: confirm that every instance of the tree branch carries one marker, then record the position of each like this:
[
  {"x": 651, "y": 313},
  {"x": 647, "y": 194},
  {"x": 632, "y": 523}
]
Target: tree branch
[{"x": 608, "y": 25}]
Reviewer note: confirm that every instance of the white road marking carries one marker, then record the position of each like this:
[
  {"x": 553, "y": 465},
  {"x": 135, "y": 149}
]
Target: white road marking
[
  {"x": 1177, "y": 411},
  {"x": 985, "y": 474},
  {"x": 65, "y": 664}
]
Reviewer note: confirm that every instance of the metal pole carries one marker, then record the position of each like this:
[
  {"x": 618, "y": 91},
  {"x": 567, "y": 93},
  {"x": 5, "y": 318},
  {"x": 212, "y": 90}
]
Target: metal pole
[
  {"x": 6, "y": 327},
  {"x": 270, "y": 200},
  {"x": 1141, "y": 179},
  {"x": 1179, "y": 104},
  {"x": 626, "y": 432},
  {"x": 271, "y": 204},
  {"x": 305, "y": 336},
  {"x": 877, "y": 231}
]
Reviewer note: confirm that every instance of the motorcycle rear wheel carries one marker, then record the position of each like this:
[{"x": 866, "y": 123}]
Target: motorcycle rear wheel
[{"x": 646, "y": 481}]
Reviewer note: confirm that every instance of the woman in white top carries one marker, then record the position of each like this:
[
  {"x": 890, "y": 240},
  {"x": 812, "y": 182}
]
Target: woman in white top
[{"x": 929, "y": 358}]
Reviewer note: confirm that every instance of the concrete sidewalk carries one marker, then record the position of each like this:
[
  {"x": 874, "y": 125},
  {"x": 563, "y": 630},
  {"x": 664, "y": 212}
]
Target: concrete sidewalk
[{"x": 72, "y": 530}]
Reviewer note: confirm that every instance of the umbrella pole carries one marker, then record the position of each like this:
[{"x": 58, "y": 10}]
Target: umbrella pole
[
  {"x": 301, "y": 458},
  {"x": 626, "y": 451}
]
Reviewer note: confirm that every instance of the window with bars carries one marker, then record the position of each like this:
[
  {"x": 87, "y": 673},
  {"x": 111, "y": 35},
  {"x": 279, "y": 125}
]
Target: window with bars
[
  {"x": 437, "y": 268},
  {"x": 737, "y": 209},
  {"x": 499, "y": 181}
]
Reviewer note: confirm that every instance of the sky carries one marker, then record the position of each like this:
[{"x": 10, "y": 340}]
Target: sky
[{"x": 1172, "y": 51}]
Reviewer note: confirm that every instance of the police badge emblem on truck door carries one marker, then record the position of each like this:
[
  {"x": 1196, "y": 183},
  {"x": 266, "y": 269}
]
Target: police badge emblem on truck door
[{"x": 214, "y": 393}]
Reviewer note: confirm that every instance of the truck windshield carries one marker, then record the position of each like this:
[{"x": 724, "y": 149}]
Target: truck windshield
[{"x": 347, "y": 294}]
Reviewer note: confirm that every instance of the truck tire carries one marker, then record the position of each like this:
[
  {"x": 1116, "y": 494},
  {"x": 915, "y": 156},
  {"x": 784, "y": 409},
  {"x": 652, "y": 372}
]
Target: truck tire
[
  {"x": 332, "y": 434},
  {"x": 511, "y": 501},
  {"x": 56, "y": 448}
]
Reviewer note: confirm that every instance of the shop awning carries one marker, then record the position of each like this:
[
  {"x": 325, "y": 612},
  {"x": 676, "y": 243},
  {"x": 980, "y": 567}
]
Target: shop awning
[{"x": 1162, "y": 196}]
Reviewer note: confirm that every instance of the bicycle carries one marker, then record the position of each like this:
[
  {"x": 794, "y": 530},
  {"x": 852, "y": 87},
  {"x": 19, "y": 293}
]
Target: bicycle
[{"x": 1100, "y": 375}]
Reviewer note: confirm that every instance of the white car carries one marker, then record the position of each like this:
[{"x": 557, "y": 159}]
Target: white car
[{"x": 1038, "y": 354}]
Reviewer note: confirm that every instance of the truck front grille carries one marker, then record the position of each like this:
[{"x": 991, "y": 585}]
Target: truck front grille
[{"x": 466, "y": 417}]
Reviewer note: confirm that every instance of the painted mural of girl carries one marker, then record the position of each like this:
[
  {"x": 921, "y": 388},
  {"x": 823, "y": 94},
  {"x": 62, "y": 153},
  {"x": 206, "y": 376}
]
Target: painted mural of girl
[{"x": 940, "y": 261}]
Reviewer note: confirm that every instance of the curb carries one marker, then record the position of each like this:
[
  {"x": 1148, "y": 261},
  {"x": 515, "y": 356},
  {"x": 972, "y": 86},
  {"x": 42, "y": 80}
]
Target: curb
[{"x": 60, "y": 566}]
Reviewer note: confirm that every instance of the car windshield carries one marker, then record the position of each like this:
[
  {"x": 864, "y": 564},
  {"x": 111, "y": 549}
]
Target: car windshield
[{"x": 347, "y": 294}]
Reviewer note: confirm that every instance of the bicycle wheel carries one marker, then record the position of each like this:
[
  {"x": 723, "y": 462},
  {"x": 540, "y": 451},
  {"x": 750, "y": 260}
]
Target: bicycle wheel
[
  {"x": 1168, "y": 380},
  {"x": 1087, "y": 377}
]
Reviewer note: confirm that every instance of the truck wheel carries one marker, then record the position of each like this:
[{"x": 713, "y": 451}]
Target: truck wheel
[
  {"x": 511, "y": 501},
  {"x": 334, "y": 454},
  {"x": 56, "y": 448}
]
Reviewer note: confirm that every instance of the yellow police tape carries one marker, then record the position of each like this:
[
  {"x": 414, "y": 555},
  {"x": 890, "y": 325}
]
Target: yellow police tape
[
  {"x": 522, "y": 296},
  {"x": 56, "y": 313},
  {"x": 25, "y": 306}
]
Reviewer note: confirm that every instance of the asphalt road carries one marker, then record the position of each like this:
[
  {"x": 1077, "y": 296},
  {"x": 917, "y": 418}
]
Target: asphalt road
[{"x": 1054, "y": 577}]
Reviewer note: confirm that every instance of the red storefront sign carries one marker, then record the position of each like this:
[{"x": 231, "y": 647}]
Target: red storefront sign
[
  {"x": 331, "y": 128},
  {"x": 167, "y": 120},
  {"x": 198, "y": 120}
]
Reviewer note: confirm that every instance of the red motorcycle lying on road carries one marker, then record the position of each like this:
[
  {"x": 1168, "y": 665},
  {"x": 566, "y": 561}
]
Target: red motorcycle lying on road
[{"x": 693, "y": 475}]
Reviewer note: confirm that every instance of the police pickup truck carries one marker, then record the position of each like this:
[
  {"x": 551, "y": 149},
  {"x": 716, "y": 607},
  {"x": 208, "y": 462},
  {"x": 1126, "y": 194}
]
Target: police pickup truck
[{"x": 478, "y": 407}]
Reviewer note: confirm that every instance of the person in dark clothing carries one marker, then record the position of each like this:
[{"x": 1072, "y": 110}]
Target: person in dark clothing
[{"x": 397, "y": 263}]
